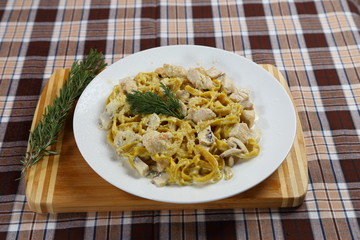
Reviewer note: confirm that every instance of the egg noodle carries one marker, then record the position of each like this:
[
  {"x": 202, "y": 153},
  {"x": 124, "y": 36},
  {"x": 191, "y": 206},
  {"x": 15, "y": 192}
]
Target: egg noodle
[{"x": 172, "y": 147}]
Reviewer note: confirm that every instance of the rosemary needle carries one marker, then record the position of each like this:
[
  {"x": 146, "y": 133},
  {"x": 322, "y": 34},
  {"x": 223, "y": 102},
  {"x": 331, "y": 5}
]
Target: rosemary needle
[{"x": 45, "y": 133}]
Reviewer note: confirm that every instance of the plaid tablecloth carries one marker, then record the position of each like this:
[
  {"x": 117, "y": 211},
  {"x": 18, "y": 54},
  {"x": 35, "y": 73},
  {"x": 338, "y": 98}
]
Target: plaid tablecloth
[{"x": 314, "y": 43}]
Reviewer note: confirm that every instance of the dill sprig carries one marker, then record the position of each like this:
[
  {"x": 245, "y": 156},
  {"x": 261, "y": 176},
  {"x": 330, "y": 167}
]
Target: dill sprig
[
  {"x": 45, "y": 133},
  {"x": 150, "y": 102}
]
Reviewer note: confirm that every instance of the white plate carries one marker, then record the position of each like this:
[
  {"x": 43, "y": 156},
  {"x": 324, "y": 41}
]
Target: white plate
[{"x": 276, "y": 113}]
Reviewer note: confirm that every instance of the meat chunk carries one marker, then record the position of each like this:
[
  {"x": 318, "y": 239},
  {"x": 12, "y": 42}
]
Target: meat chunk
[
  {"x": 247, "y": 104},
  {"x": 107, "y": 115},
  {"x": 166, "y": 81},
  {"x": 172, "y": 71},
  {"x": 199, "y": 80},
  {"x": 154, "y": 121},
  {"x": 140, "y": 166},
  {"x": 162, "y": 165},
  {"x": 206, "y": 136},
  {"x": 105, "y": 120},
  {"x": 160, "y": 71},
  {"x": 128, "y": 84},
  {"x": 248, "y": 116},
  {"x": 126, "y": 137},
  {"x": 156, "y": 142},
  {"x": 255, "y": 134},
  {"x": 115, "y": 104},
  {"x": 161, "y": 179},
  {"x": 182, "y": 94},
  {"x": 240, "y": 131},
  {"x": 213, "y": 72},
  {"x": 227, "y": 84},
  {"x": 240, "y": 95},
  {"x": 202, "y": 114},
  {"x": 183, "y": 108}
]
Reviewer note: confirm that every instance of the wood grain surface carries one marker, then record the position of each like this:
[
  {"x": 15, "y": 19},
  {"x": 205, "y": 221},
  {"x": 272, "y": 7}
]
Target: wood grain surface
[{"x": 66, "y": 183}]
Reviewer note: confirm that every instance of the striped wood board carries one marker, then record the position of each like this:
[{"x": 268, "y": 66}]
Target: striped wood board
[{"x": 66, "y": 183}]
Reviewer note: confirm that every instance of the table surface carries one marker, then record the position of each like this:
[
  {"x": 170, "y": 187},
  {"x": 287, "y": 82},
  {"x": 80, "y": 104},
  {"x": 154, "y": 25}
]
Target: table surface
[{"x": 314, "y": 43}]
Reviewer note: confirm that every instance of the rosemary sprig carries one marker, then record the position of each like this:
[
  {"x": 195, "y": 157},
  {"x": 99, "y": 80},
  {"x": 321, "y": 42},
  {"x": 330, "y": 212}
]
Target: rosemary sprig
[
  {"x": 45, "y": 133},
  {"x": 150, "y": 102}
]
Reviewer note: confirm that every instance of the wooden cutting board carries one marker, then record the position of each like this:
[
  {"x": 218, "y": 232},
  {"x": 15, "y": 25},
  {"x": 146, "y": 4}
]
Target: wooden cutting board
[{"x": 66, "y": 183}]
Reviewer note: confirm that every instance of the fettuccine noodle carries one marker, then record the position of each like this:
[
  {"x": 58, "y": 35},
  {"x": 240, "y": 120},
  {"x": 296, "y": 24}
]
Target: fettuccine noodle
[{"x": 216, "y": 133}]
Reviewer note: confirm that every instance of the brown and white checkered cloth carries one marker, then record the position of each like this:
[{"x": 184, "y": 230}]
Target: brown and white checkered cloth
[{"x": 314, "y": 43}]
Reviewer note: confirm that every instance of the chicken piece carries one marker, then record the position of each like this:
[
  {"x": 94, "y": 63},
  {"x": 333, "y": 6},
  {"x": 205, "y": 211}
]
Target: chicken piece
[
  {"x": 240, "y": 95},
  {"x": 166, "y": 81},
  {"x": 199, "y": 80},
  {"x": 236, "y": 97},
  {"x": 110, "y": 109},
  {"x": 206, "y": 136},
  {"x": 227, "y": 84},
  {"x": 240, "y": 131},
  {"x": 201, "y": 70},
  {"x": 162, "y": 165},
  {"x": 140, "y": 166},
  {"x": 154, "y": 122},
  {"x": 203, "y": 114},
  {"x": 125, "y": 137},
  {"x": 182, "y": 94},
  {"x": 128, "y": 84},
  {"x": 161, "y": 179},
  {"x": 213, "y": 72},
  {"x": 160, "y": 71},
  {"x": 114, "y": 105},
  {"x": 248, "y": 116},
  {"x": 174, "y": 71},
  {"x": 247, "y": 105},
  {"x": 183, "y": 108},
  {"x": 236, "y": 143},
  {"x": 255, "y": 134},
  {"x": 156, "y": 142},
  {"x": 105, "y": 120}
]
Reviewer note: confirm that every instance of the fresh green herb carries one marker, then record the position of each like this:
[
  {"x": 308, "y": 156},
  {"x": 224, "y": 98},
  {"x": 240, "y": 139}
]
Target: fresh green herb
[
  {"x": 45, "y": 133},
  {"x": 150, "y": 102}
]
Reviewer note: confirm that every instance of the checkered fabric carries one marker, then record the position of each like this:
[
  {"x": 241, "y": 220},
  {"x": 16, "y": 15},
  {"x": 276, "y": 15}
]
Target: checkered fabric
[{"x": 314, "y": 43}]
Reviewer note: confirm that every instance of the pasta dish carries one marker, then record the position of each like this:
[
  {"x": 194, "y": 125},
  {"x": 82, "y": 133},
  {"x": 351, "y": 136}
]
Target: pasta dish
[{"x": 181, "y": 126}]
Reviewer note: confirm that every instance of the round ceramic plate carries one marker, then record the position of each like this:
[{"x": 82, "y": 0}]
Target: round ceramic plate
[{"x": 274, "y": 108}]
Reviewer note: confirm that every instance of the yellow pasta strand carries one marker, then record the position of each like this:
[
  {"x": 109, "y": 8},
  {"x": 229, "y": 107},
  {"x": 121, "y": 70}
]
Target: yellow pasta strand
[{"x": 187, "y": 161}]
